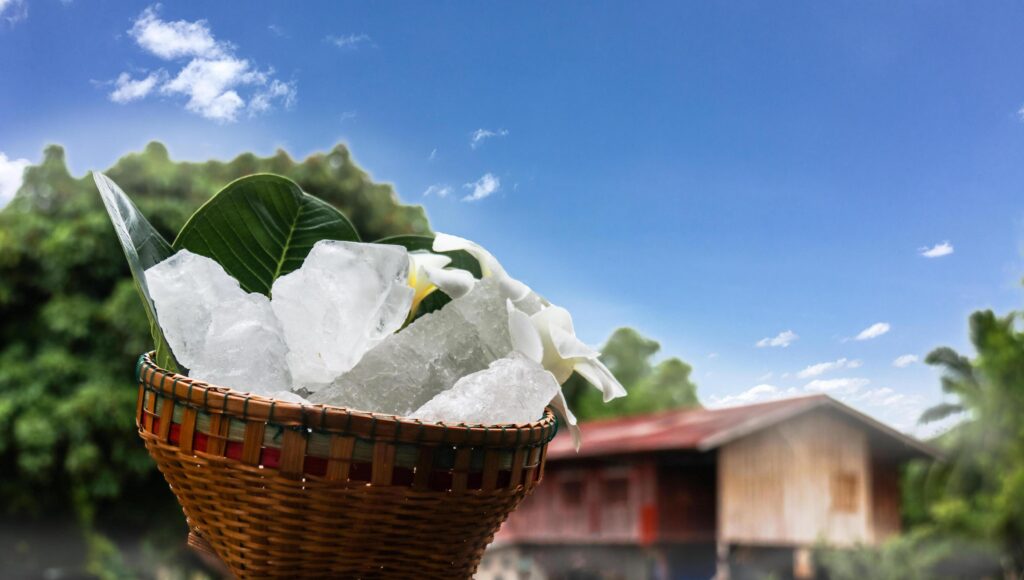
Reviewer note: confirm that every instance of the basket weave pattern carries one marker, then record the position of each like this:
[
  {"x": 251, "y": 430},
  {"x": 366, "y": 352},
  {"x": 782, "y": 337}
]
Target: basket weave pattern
[{"x": 310, "y": 491}]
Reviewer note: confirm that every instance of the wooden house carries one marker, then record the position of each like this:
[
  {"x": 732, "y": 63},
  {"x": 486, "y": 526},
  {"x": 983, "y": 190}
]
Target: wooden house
[{"x": 701, "y": 493}]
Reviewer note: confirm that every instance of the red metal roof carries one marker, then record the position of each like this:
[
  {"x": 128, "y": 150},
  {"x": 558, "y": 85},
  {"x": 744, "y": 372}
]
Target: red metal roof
[{"x": 700, "y": 429}]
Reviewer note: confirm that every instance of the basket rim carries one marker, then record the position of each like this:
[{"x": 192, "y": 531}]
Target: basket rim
[{"x": 332, "y": 419}]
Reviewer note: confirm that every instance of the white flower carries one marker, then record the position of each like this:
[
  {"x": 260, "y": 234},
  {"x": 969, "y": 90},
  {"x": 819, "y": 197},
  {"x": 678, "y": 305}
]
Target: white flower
[
  {"x": 427, "y": 273},
  {"x": 549, "y": 338},
  {"x": 489, "y": 266}
]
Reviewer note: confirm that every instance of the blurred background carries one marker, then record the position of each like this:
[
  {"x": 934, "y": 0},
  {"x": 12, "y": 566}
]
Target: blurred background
[{"x": 812, "y": 212}]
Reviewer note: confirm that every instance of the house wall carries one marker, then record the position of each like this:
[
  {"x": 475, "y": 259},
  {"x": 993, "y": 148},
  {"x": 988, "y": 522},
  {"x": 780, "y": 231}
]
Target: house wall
[
  {"x": 796, "y": 483},
  {"x": 606, "y": 502}
]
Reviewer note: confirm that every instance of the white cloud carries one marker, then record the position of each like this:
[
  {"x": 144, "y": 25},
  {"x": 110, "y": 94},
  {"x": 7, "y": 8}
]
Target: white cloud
[
  {"x": 11, "y": 173},
  {"x": 481, "y": 135},
  {"x": 756, "y": 394},
  {"x": 874, "y": 331},
  {"x": 904, "y": 360},
  {"x": 783, "y": 339},
  {"x": 897, "y": 409},
  {"x": 219, "y": 84},
  {"x": 433, "y": 154},
  {"x": 170, "y": 40},
  {"x": 937, "y": 251},
  {"x": 263, "y": 100},
  {"x": 842, "y": 386},
  {"x": 13, "y": 11},
  {"x": 822, "y": 368},
  {"x": 211, "y": 86},
  {"x": 712, "y": 355},
  {"x": 438, "y": 189},
  {"x": 482, "y": 187},
  {"x": 127, "y": 89},
  {"x": 766, "y": 377},
  {"x": 348, "y": 41},
  {"x": 277, "y": 31},
  {"x": 348, "y": 116}
]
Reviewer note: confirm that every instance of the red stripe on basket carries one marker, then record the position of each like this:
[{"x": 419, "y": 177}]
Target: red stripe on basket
[{"x": 317, "y": 466}]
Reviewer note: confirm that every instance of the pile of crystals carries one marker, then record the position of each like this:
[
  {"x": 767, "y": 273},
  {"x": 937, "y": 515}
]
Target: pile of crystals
[{"x": 336, "y": 332}]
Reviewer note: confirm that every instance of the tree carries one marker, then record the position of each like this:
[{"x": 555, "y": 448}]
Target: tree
[
  {"x": 979, "y": 491},
  {"x": 651, "y": 387},
  {"x": 71, "y": 324}
]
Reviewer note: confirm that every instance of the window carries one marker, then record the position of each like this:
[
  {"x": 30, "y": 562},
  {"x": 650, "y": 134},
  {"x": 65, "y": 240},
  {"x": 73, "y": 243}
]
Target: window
[
  {"x": 572, "y": 493},
  {"x": 844, "y": 492},
  {"x": 615, "y": 491}
]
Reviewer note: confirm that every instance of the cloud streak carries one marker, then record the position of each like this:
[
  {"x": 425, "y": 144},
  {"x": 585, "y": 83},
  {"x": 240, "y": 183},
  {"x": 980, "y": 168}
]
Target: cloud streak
[
  {"x": 482, "y": 188},
  {"x": 480, "y": 135},
  {"x": 438, "y": 190},
  {"x": 782, "y": 339},
  {"x": 937, "y": 251},
  {"x": 824, "y": 367},
  {"x": 13, "y": 11},
  {"x": 874, "y": 331},
  {"x": 904, "y": 361},
  {"x": 348, "y": 41}
]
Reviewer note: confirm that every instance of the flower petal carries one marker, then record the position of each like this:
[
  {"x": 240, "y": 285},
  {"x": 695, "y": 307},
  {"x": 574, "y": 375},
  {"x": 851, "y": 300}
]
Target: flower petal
[
  {"x": 525, "y": 337},
  {"x": 453, "y": 282},
  {"x": 598, "y": 375},
  {"x": 423, "y": 258},
  {"x": 513, "y": 288},
  {"x": 555, "y": 317},
  {"x": 450, "y": 243},
  {"x": 561, "y": 407},
  {"x": 568, "y": 346},
  {"x": 489, "y": 265}
]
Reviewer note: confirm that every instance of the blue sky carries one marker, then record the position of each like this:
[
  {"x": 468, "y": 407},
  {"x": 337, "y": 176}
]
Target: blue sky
[{"x": 712, "y": 174}]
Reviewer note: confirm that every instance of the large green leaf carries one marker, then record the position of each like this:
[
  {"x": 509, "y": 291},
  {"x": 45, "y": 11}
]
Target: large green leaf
[
  {"x": 261, "y": 227},
  {"x": 143, "y": 247},
  {"x": 460, "y": 259}
]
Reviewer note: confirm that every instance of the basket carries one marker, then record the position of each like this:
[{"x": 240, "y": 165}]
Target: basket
[{"x": 278, "y": 489}]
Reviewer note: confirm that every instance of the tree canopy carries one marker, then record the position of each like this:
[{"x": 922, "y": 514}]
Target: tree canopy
[{"x": 651, "y": 387}]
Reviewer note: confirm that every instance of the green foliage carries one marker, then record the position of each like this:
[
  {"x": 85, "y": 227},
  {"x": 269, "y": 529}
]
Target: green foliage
[
  {"x": 915, "y": 556},
  {"x": 979, "y": 491},
  {"x": 627, "y": 354},
  {"x": 71, "y": 324},
  {"x": 261, "y": 227}
]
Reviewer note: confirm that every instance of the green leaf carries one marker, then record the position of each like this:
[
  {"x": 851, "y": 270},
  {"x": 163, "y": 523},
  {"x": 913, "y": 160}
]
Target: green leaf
[
  {"x": 460, "y": 259},
  {"x": 143, "y": 247},
  {"x": 261, "y": 227}
]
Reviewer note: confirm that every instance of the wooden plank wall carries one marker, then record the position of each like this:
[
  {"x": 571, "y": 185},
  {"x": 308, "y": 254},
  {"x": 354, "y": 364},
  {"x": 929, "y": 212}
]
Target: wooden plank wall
[
  {"x": 795, "y": 483},
  {"x": 599, "y": 502}
]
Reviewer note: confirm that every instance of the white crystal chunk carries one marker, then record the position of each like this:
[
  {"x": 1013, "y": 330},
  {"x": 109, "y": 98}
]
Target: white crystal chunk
[
  {"x": 222, "y": 334},
  {"x": 345, "y": 299},
  {"x": 409, "y": 368},
  {"x": 511, "y": 390}
]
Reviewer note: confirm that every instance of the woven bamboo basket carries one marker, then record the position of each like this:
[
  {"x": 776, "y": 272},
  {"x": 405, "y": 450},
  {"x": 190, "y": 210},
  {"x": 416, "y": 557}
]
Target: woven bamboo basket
[{"x": 277, "y": 489}]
